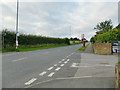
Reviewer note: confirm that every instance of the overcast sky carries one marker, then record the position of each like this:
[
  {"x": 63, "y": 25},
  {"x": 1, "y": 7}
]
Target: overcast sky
[{"x": 55, "y": 18}]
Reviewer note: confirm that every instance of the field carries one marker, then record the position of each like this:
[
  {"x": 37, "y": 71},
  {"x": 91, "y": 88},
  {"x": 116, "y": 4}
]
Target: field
[{"x": 75, "y": 42}]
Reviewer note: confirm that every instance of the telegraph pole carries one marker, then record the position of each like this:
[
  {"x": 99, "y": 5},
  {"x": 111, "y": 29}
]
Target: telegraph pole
[
  {"x": 17, "y": 25},
  {"x": 70, "y": 31}
]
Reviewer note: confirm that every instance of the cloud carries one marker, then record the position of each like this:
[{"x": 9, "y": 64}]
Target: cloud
[{"x": 54, "y": 18}]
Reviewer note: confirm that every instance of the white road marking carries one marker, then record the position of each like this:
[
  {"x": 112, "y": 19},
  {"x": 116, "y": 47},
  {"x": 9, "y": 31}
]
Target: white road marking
[
  {"x": 75, "y": 65},
  {"x": 66, "y": 62},
  {"x": 58, "y": 68},
  {"x": 84, "y": 66},
  {"x": 18, "y": 59},
  {"x": 68, "y": 59},
  {"x": 60, "y": 62},
  {"x": 75, "y": 77},
  {"x": 62, "y": 65},
  {"x": 50, "y": 68},
  {"x": 41, "y": 74},
  {"x": 102, "y": 65},
  {"x": 31, "y": 81},
  {"x": 63, "y": 59},
  {"x": 55, "y": 65},
  {"x": 73, "y": 53},
  {"x": 67, "y": 56},
  {"x": 51, "y": 74}
]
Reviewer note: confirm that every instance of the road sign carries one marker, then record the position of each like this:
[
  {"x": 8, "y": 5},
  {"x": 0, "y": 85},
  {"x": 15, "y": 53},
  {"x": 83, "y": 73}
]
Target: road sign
[
  {"x": 82, "y": 36},
  {"x": 16, "y": 43},
  {"x": 115, "y": 46}
]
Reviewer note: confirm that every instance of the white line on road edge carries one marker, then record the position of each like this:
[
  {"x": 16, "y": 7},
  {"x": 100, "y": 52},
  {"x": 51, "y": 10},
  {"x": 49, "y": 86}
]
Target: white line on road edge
[
  {"x": 58, "y": 68},
  {"x": 51, "y": 74},
  {"x": 50, "y": 68},
  {"x": 55, "y": 65},
  {"x": 62, "y": 65},
  {"x": 31, "y": 81},
  {"x": 41, "y": 74},
  {"x": 18, "y": 59}
]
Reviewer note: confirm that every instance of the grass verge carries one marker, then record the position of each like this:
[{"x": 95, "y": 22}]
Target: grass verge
[
  {"x": 28, "y": 48},
  {"x": 81, "y": 49},
  {"x": 23, "y": 49}
]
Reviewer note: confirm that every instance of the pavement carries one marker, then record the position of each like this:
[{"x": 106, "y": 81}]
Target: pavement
[{"x": 62, "y": 67}]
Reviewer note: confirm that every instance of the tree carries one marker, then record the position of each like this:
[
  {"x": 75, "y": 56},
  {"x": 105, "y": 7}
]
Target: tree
[
  {"x": 71, "y": 39},
  {"x": 84, "y": 39},
  {"x": 118, "y": 27},
  {"x": 104, "y": 26},
  {"x": 92, "y": 40},
  {"x": 74, "y": 39},
  {"x": 67, "y": 41}
]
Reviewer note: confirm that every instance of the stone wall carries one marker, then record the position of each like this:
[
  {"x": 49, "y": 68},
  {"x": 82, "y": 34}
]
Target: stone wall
[{"x": 102, "y": 48}]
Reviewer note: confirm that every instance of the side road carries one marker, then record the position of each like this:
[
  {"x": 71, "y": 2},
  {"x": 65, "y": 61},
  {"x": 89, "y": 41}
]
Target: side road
[{"x": 93, "y": 71}]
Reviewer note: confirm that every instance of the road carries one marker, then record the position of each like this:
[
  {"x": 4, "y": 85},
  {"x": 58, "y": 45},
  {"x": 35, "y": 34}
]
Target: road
[
  {"x": 61, "y": 67},
  {"x": 20, "y": 70}
]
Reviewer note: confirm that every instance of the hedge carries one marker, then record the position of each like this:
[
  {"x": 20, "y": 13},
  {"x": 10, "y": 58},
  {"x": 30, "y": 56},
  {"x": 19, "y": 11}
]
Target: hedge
[
  {"x": 10, "y": 37},
  {"x": 111, "y": 35}
]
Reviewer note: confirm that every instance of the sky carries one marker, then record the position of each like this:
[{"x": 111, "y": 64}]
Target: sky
[{"x": 58, "y": 19}]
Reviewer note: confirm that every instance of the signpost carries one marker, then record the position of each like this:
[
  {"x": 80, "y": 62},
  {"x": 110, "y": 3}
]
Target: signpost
[{"x": 83, "y": 42}]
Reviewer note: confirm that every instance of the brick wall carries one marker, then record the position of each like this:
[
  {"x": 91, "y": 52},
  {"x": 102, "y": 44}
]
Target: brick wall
[{"x": 102, "y": 48}]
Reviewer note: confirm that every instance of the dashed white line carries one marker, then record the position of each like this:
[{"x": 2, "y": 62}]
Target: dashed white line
[
  {"x": 68, "y": 59},
  {"x": 58, "y": 68},
  {"x": 31, "y": 81},
  {"x": 62, "y": 65},
  {"x": 41, "y": 74},
  {"x": 67, "y": 56},
  {"x": 73, "y": 53},
  {"x": 63, "y": 59},
  {"x": 66, "y": 62},
  {"x": 55, "y": 65},
  {"x": 18, "y": 59},
  {"x": 60, "y": 62},
  {"x": 75, "y": 65},
  {"x": 50, "y": 68},
  {"x": 51, "y": 74}
]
